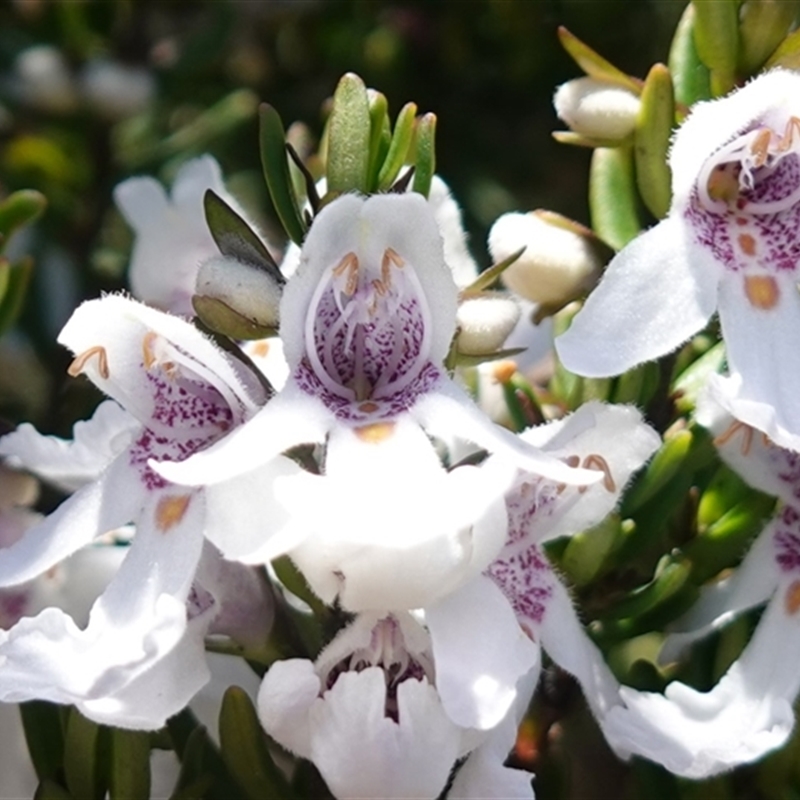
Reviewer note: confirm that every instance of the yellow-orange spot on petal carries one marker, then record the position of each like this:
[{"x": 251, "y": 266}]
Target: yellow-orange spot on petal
[
  {"x": 260, "y": 349},
  {"x": 596, "y": 461},
  {"x": 723, "y": 184},
  {"x": 732, "y": 430},
  {"x": 762, "y": 291},
  {"x": 375, "y": 433},
  {"x": 747, "y": 243},
  {"x": 369, "y": 407},
  {"x": 504, "y": 371},
  {"x": 170, "y": 511},
  {"x": 76, "y": 367},
  {"x": 741, "y": 220},
  {"x": 792, "y": 599},
  {"x": 149, "y": 349}
]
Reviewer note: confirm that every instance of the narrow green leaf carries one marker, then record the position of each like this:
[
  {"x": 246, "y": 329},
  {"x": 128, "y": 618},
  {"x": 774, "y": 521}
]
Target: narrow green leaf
[
  {"x": 236, "y": 239},
  {"x": 399, "y": 146},
  {"x": 50, "y": 790},
  {"x": 489, "y": 276},
  {"x": 347, "y": 167},
  {"x": 16, "y": 290},
  {"x": 588, "y": 551},
  {"x": 613, "y": 199},
  {"x": 689, "y": 74},
  {"x": 81, "y": 767},
  {"x": 425, "y": 158},
  {"x": 763, "y": 26},
  {"x": 380, "y": 136},
  {"x": 20, "y": 208},
  {"x": 130, "y": 765},
  {"x": 470, "y": 360},
  {"x": 652, "y": 137},
  {"x": 244, "y": 749},
  {"x": 41, "y": 722},
  {"x": 272, "y": 139},
  {"x": 576, "y": 139},
  {"x": 787, "y": 54},
  {"x": 295, "y": 582},
  {"x": 670, "y": 578},
  {"x": 593, "y": 64},
  {"x": 716, "y": 36}
]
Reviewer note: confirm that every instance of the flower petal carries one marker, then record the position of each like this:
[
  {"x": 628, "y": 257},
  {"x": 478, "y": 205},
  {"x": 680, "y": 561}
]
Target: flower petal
[
  {"x": 655, "y": 294},
  {"x": 480, "y": 653}
]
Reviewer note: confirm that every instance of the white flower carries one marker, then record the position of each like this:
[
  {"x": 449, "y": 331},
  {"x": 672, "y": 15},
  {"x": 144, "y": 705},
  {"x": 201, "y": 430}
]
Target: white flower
[
  {"x": 366, "y": 323},
  {"x": 597, "y": 109},
  {"x": 172, "y": 237},
  {"x": 139, "y": 658},
  {"x": 730, "y": 243},
  {"x": 749, "y": 712},
  {"x": 612, "y": 440},
  {"x": 42, "y": 78},
  {"x": 116, "y": 90},
  {"x": 369, "y": 713}
]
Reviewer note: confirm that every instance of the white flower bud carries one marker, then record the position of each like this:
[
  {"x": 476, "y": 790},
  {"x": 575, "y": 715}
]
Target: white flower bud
[
  {"x": 246, "y": 290},
  {"x": 43, "y": 80},
  {"x": 597, "y": 109},
  {"x": 484, "y": 323},
  {"x": 115, "y": 90},
  {"x": 558, "y": 261}
]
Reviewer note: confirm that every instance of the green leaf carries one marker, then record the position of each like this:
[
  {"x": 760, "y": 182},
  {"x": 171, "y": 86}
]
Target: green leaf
[
  {"x": 399, "y": 146},
  {"x": 16, "y": 290},
  {"x": 81, "y": 766},
  {"x": 589, "y": 551},
  {"x": 652, "y": 137},
  {"x": 613, "y": 199},
  {"x": 347, "y": 167},
  {"x": 594, "y": 64},
  {"x": 272, "y": 140},
  {"x": 689, "y": 74},
  {"x": 465, "y": 360},
  {"x": 236, "y": 239},
  {"x": 380, "y": 136},
  {"x": 489, "y": 276},
  {"x": 763, "y": 26},
  {"x": 50, "y": 790},
  {"x": 579, "y": 140},
  {"x": 716, "y": 36},
  {"x": 425, "y": 157},
  {"x": 221, "y": 318},
  {"x": 41, "y": 722},
  {"x": 693, "y": 380},
  {"x": 787, "y": 54},
  {"x": 130, "y": 765},
  {"x": 671, "y": 576},
  {"x": 244, "y": 749},
  {"x": 295, "y": 582},
  {"x": 18, "y": 209}
]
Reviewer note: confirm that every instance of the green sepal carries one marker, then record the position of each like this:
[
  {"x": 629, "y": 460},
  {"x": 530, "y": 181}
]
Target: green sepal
[
  {"x": 19, "y": 209},
  {"x": 380, "y": 135},
  {"x": 613, "y": 199},
  {"x": 275, "y": 163},
  {"x": 489, "y": 276},
  {"x": 50, "y": 790},
  {"x": 82, "y": 767},
  {"x": 471, "y": 360},
  {"x": 44, "y": 734},
  {"x": 399, "y": 146},
  {"x": 579, "y": 140},
  {"x": 295, "y": 582},
  {"x": 589, "y": 552},
  {"x": 693, "y": 380},
  {"x": 716, "y": 36},
  {"x": 665, "y": 464},
  {"x": 593, "y": 64},
  {"x": 721, "y": 545},
  {"x": 637, "y": 386},
  {"x": 721, "y": 493},
  {"x": 244, "y": 749},
  {"x": 129, "y": 778},
  {"x": 670, "y": 577},
  {"x": 425, "y": 154},
  {"x": 236, "y": 239},
  {"x": 787, "y": 54},
  {"x": 221, "y": 318},
  {"x": 652, "y": 137},
  {"x": 690, "y": 75},
  {"x": 763, "y": 25},
  {"x": 347, "y": 167}
]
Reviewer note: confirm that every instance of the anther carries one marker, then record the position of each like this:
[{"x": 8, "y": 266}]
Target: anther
[
  {"x": 760, "y": 146},
  {"x": 596, "y": 461},
  {"x": 76, "y": 367},
  {"x": 732, "y": 430},
  {"x": 348, "y": 264},
  {"x": 787, "y": 140},
  {"x": 149, "y": 350}
]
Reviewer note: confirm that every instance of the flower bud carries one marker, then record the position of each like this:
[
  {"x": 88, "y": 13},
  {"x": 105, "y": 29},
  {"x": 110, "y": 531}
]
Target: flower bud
[
  {"x": 484, "y": 323},
  {"x": 43, "y": 80},
  {"x": 597, "y": 109},
  {"x": 236, "y": 299},
  {"x": 115, "y": 90},
  {"x": 561, "y": 258}
]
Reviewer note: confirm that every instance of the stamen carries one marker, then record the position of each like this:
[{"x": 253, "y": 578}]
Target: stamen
[
  {"x": 787, "y": 140},
  {"x": 348, "y": 264},
  {"x": 171, "y": 510},
  {"x": 572, "y": 461},
  {"x": 596, "y": 461},
  {"x": 759, "y": 147},
  {"x": 79, "y": 362},
  {"x": 762, "y": 291},
  {"x": 149, "y": 349},
  {"x": 792, "y": 598},
  {"x": 732, "y": 430}
]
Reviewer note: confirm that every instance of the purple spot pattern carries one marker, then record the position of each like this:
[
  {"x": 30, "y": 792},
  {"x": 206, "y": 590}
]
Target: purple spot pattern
[
  {"x": 188, "y": 415},
  {"x": 13, "y": 604},
  {"x": 531, "y": 499},
  {"x": 777, "y": 242},
  {"x": 526, "y": 578},
  {"x": 347, "y": 411},
  {"x": 787, "y": 539}
]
